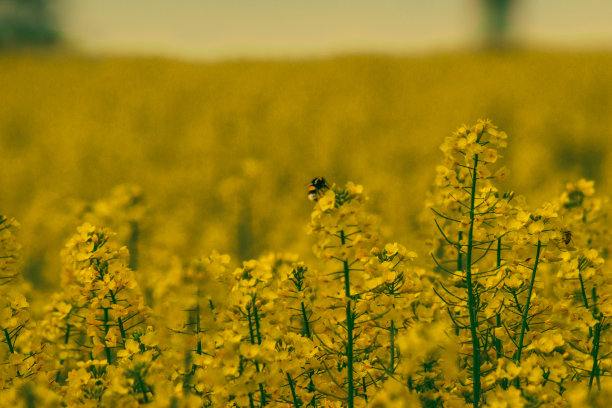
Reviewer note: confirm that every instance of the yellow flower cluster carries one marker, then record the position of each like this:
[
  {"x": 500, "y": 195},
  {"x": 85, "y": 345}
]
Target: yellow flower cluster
[{"x": 510, "y": 309}]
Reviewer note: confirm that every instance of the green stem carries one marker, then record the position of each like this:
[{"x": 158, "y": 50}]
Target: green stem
[
  {"x": 459, "y": 255},
  {"x": 392, "y": 342},
  {"x": 256, "y": 318},
  {"x": 365, "y": 390},
  {"x": 526, "y": 308},
  {"x": 349, "y": 328},
  {"x": 262, "y": 392},
  {"x": 119, "y": 321},
  {"x": 296, "y": 401},
  {"x": 347, "y": 282},
  {"x": 594, "y": 298},
  {"x": 251, "y": 405},
  {"x": 595, "y": 355},
  {"x": 198, "y": 328},
  {"x": 8, "y": 341},
  {"x": 311, "y": 388},
  {"x": 252, "y": 339},
  {"x": 11, "y": 345},
  {"x": 143, "y": 389},
  {"x": 107, "y": 350},
  {"x": 584, "y": 296},
  {"x": 67, "y": 336},
  {"x": 459, "y": 267},
  {"x": 496, "y": 341},
  {"x": 596, "y": 341},
  {"x": 251, "y": 334},
  {"x": 499, "y": 252},
  {"x": 66, "y": 339},
  {"x": 349, "y": 353},
  {"x": 471, "y": 295},
  {"x": 306, "y": 323}
]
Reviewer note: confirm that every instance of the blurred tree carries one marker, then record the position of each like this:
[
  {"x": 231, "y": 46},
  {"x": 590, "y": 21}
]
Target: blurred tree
[
  {"x": 26, "y": 23},
  {"x": 496, "y": 14}
]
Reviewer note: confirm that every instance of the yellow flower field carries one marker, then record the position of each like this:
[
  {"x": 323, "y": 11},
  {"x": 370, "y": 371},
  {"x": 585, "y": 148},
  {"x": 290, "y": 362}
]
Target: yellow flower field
[{"x": 158, "y": 248}]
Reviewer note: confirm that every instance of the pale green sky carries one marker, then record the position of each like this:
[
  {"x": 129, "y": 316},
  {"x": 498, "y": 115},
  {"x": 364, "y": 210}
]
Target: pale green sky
[{"x": 217, "y": 29}]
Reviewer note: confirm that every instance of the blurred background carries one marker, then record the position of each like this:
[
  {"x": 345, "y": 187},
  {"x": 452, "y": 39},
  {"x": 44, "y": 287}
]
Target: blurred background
[
  {"x": 216, "y": 29},
  {"x": 191, "y": 125}
]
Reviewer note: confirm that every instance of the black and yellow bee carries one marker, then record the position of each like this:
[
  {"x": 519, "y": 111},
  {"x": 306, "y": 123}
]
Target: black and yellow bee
[
  {"x": 566, "y": 241},
  {"x": 566, "y": 236},
  {"x": 317, "y": 186}
]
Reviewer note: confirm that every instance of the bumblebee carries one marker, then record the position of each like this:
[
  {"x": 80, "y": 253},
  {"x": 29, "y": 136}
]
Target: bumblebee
[
  {"x": 566, "y": 236},
  {"x": 566, "y": 241},
  {"x": 316, "y": 187}
]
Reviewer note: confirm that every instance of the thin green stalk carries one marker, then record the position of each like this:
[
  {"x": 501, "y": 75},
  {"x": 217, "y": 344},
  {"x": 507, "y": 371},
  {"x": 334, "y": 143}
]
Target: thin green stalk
[
  {"x": 306, "y": 323},
  {"x": 256, "y": 318},
  {"x": 347, "y": 282},
  {"x": 251, "y": 333},
  {"x": 596, "y": 341},
  {"x": 496, "y": 341},
  {"x": 251, "y": 405},
  {"x": 459, "y": 268},
  {"x": 143, "y": 388},
  {"x": 107, "y": 350},
  {"x": 66, "y": 339},
  {"x": 392, "y": 342},
  {"x": 11, "y": 345},
  {"x": 311, "y": 389},
  {"x": 262, "y": 392},
  {"x": 584, "y": 296},
  {"x": 349, "y": 353},
  {"x": 257, "y": 334},
  {"x": 119, "y": 320},
  {"x": 296, "y": 401},
  {"x": 595, "y": 355},
  {"x": 471, "y": 296},
  {"x": 349, "y": 329},
  {"x": 526, "y": 308},
  {"x": 67, "y": 336},
  {"x": 308, "y": 333},
  {"x": 8, "y": 341},
  {"x": 499, "y": 251},
  {"x": 365, "y": 390},
  {"x": 198, "y": 328},
  {"x": 459, "y": 254}
]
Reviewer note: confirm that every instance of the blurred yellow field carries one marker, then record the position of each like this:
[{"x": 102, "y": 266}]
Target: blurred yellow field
[
  {"x": 202, "y": 140},
  {"x": 186, "y": 162}
]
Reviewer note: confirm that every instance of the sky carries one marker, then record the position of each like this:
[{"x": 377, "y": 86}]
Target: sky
[{"x": 221, "y": 29}]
